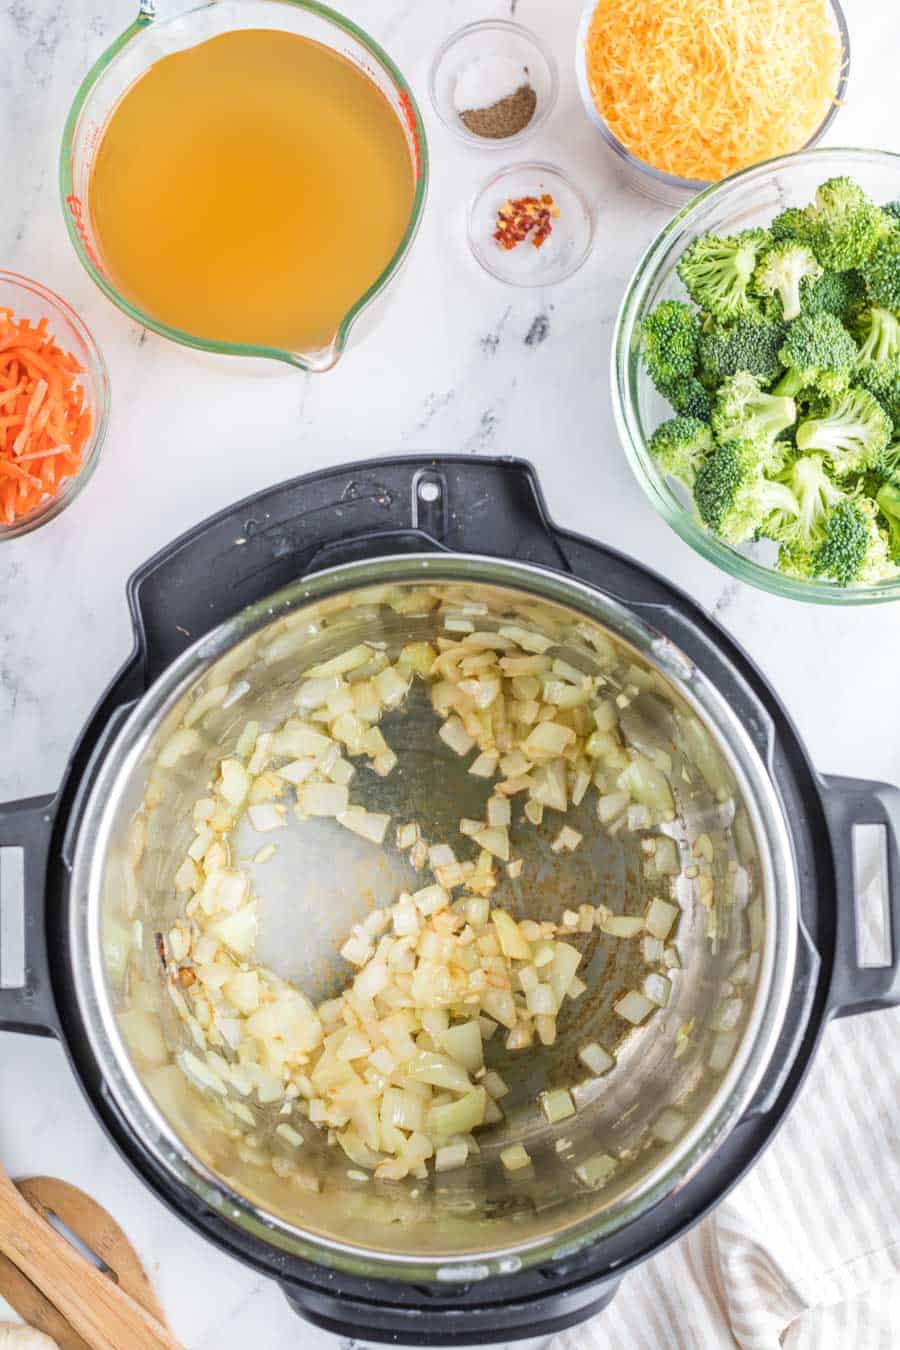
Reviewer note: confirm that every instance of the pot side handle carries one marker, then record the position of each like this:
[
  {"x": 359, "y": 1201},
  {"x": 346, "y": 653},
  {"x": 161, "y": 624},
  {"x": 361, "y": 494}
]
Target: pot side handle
[
  {"x": 26, "y": 996},
  {"x": 856, "y": 986}
]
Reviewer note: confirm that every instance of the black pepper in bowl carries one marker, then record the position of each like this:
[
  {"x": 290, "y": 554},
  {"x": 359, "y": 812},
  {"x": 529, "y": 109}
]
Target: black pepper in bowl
[{"x": 507, "y": 117}]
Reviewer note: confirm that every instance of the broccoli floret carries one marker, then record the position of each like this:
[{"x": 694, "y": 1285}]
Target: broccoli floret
[
  {"x": 834, "y": 534},
  {"x": 783, "y": 271},
  {"x": 669, "y": 338},
  {"x": 748, "y": 343},
  {"x": 887, "y": 469},
  {"x": 892, "y": 209},
  {"x": 717, "y": 272},
  {"x": 733, "y": 498},
  {"x": 854, "y": 548},
  {"x": 878, "y": 331},
  {"x": 888, "y": 503},
  {"x": 890, "y": 463},
  {"x": 744, "y": 412},
  {"x": 680, "y": 445},
  {"x": 816, "y": 495},
  {"x": 845, "y": 225},
  {"x": 837, "y": 293},
  {"x": 819, "y": 351},
  {"x": 792, "y": 224},
  {"x": 853, "y": 430},
  {"x": 881, "y": 271},
  {"x": 689, "y": 398},
  {"x": 882, "y": 380}
]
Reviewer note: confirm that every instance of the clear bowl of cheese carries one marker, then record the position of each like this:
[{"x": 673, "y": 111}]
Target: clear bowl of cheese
[{"x": 649, "y": 57}]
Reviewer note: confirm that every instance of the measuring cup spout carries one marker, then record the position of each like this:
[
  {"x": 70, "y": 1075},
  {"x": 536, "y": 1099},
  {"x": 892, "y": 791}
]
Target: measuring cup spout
[{"x": 326, "y": 358}]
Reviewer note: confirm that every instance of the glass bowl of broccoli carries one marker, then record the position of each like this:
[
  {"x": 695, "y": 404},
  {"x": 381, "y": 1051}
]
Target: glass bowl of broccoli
[{"x": 756, "y": 375}]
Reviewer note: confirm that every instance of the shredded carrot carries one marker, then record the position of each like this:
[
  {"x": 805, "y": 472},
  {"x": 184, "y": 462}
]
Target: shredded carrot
[
  {"x": 701, "y": 88},
  {"x": 44, "y": 424}
]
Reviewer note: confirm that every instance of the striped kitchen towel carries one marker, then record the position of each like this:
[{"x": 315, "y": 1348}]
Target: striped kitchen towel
[{"x": 805, "y": 1253}]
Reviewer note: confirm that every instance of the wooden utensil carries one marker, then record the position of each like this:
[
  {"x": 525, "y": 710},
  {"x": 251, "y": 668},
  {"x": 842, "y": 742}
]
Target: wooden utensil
[
  {"x": 100, "y": 1234},
  {"x": 102, "y": 1314}
]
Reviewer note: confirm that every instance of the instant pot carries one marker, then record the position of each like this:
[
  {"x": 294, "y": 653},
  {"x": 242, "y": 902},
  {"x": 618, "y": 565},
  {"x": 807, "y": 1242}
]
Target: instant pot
[{"x": 297, "y": 572}]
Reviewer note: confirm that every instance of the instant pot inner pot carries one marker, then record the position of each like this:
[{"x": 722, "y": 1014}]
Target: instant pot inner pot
[{"x": 663, "y": 1090}]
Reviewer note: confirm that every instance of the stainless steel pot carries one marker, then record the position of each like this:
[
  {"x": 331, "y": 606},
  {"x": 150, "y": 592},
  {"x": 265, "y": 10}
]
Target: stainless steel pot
[
  {"x": 751, "y": 978},
  {"x": 314, "y": 890}
]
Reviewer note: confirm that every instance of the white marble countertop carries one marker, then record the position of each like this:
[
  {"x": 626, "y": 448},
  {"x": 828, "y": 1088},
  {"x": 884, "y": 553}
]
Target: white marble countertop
[{"x": 459, "y": 363}]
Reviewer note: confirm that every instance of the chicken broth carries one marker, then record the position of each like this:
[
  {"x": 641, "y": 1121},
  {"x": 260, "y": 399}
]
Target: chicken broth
[{"x": 251, "y": 189}]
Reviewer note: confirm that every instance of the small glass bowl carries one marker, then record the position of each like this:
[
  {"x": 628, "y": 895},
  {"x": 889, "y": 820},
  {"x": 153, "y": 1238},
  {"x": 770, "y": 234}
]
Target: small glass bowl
[
  {"x": 560, "y": 255},
  {"x": 506, "y": 39},
  {"x": 668, "y": 188},
  {"x": 745, "y": 200},
  {"x": 30, "y": 300}
]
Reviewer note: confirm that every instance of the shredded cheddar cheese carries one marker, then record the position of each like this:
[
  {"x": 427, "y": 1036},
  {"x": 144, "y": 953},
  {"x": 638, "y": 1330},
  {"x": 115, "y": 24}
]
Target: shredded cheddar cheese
[{"x": 700, "y": 88}]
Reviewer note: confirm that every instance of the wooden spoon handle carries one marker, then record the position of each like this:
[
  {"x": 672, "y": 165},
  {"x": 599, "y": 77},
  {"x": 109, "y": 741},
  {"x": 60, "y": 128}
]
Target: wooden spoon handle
[{"x": 98, "y": 1310}]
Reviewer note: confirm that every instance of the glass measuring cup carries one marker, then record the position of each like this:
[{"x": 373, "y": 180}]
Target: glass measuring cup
[{"x": 174, "y": 25}]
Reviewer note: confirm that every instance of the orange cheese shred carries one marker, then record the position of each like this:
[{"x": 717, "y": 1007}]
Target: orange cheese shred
[{"x": 701, "y": 88}]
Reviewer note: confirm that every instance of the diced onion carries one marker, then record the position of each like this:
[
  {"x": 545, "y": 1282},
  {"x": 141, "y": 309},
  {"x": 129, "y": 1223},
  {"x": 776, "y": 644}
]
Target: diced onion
[
  {"x": 596, "y": 1170},
  {"x": 541, "y": 1000},
  {"x": 634, "y": 1007},
  {"x": 323, "y": 799},
  {"x": 235, "y": 781},
  {"x": 407, "y": 835},
  {"x": 657, "y": 988},
  {"x": 368, "y": 824},
  {"x": 666, "y": 859},
  {"x": 499, "y": 811},
  {"x": 515, "y": 1158},
  {"x": 612, "y": 806},
  {"x": 494, "y": 1085},
  {"x": 298, "y": 770},
  {"x": 669, "y": 1125},
  {"x": 485, "y": 766},
  {"x": 316, "y": 692},
  {"x": 265, "y": 817},
  {"x": 621, "y": 925},
  {"x": 185, "y": 742},
  {"x": 557, "y": 1105},
  {"x": 341, "y": 664},
  {"x": 660, "y": 918},
  {"x": 454, "y": 734},
  {"x": 548, "y": 740},
  {"x": 393, "y": 1068},
  {"x": 595, "y": 1058},
  {"x": 440, "y": 855},
  {"x": 495, "y": 840},
  {"x": 567, "y": 839},
  {"x": 289, "y": 1135},
  {"x": 450, "y": 1156}
]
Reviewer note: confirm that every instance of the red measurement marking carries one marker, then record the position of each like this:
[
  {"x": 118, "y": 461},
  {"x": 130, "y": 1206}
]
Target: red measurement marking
[
  {"x": 409, "y": 117},
  {"x": 77, "y": 212}
]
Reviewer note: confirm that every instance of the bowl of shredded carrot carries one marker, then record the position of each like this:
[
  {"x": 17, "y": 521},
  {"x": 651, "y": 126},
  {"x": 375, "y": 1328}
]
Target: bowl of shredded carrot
[
  {"x": 688, "y": 92},
  {"x": 54, "y": 405}
]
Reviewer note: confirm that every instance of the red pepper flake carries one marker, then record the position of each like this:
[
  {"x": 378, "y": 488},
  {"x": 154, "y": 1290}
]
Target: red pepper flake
[{"x": 524, "y": 217}]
